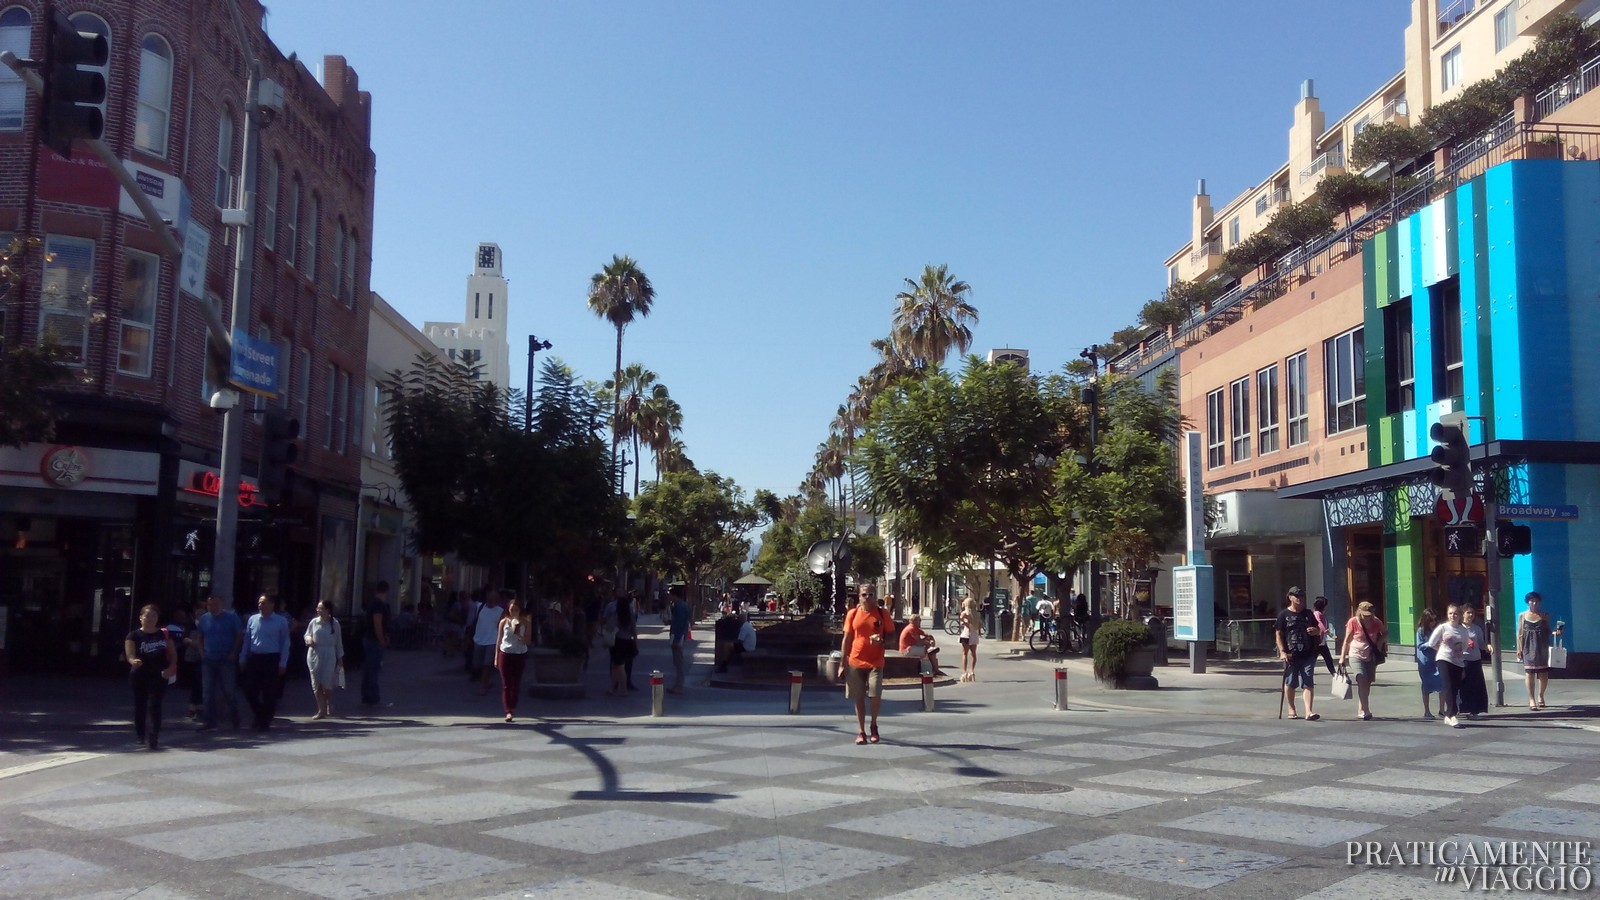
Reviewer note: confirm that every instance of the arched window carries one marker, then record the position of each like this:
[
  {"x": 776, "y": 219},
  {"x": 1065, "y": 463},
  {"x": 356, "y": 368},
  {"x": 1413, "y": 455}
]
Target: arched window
[
  {"x": 16, "y": 34},
  {"x": 351, "y": 261},
  {"x": 268, "y": 193},
  {"x": 313, "y": 223},
  {"x": 224, "y": 191},
  {"x": 291, "y": 222},
  {"x": 155, "y": 95}
]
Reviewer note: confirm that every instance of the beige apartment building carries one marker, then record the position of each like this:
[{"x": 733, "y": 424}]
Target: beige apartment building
[{"x": 1274, "y": 373}]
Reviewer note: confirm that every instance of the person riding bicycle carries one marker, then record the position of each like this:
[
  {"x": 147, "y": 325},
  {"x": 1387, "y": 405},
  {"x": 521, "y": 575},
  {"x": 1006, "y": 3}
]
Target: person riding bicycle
[{"x": 1045, "y": 611}]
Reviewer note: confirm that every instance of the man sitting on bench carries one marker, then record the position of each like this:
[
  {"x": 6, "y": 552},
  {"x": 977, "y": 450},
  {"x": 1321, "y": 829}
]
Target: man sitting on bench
[
  {"x": 916, "y": 643},
  {"x": 744, "y": 640}
]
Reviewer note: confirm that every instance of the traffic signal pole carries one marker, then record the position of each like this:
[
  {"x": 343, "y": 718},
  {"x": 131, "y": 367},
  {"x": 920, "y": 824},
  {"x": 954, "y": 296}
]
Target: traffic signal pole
[
  {"x": 233, "y": 419},
  {"x": 1491, "y": 560}
]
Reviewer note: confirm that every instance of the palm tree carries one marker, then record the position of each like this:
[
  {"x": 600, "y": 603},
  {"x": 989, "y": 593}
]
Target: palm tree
[
  {"x": 618, "y": 293},
  {"x": 657, "y": 424},
  {"x": 933, "y": 317},
  {"x": 674, "y": 458},
  {"x": 637, "y": 382}
]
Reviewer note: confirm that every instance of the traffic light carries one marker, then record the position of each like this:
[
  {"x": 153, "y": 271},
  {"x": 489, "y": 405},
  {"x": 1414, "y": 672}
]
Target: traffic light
[
  {"x": 1513, "y": 539},
  {"x": 1452, "y": 458},
  {"x": 278, "y": 453},
  {"x": 63, "y": 114}
]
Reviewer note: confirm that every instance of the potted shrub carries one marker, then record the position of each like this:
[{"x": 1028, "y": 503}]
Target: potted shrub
[
  {"x": 1124, "y": 655},
  {"x": 1546, "y": 146}
]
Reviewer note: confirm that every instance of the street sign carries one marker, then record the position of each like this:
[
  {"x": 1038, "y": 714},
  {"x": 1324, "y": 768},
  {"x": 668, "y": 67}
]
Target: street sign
[
  {"x": 254, "y": 365},
  {"x": 1537, "y": 511},
  {"x": 1463, "y": 540},
  {"x": 1461, "y": 510}
]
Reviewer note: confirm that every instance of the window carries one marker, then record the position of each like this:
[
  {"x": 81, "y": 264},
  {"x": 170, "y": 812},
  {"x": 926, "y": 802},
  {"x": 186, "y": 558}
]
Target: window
[
  {"x": 16, "y": 34},
  {"x": 1399, "y": 368},
  {"x": 477, "y": 306},
  {"x": 355, "y": 394},
  {"x": 1448, "y": 369},
  {"x": 336, "y": 258},
  {"x": 327, "y": 411},
  {"x": 491, "y": 305},
  {"x": 1216, "y": 437},
  {"x": 1172, "y": 275},
  {"x": 224, "y": 187},
  {"x": 350, "y": 263},
  {"x": 1346, "y": 386},
  {"x": 268, "y": 192},
  {"x": 1239, "y": 423},
  {"x": 1362, "y": 124},
  {"x": 1505, "y": 26},
  {"x": 291, "y": 223},
  {"x": 302, "y": 389},
  {"x": 1267, "y": 410},
  {"x": 1450, "y": 68},
  {"x": 341, "y": 404},
  {"x": 1233, "y": 231},
  {"x": 375, "y": 424},
  {"x": 313, "y": 223},
  {"x": 64, "y": 295},
  {"x": 141, "y": 276},
  {"x": 155, "y": 95},
  {"x": 1298, "y": 399}
]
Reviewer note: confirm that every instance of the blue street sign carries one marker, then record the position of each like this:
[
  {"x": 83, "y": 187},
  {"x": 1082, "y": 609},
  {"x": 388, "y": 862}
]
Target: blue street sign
[
  {"x": 254, "y": 365},
  {"x": 1193, "y": 604},
  {"x": 1537, "y": 511}
]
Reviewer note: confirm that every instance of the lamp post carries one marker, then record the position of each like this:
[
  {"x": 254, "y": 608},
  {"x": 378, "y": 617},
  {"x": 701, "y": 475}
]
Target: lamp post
[
  {"x": 534, "y": 346},
  {"x": 1092, "y": 394}
]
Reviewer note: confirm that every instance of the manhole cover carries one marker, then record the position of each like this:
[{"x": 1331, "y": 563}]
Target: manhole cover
[{"x": 1026, "y": 787}]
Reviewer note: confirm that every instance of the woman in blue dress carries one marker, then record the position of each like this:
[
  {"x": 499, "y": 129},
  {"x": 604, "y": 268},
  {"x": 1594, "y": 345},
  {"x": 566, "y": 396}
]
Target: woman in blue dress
[{"x": 1427, "y": 664}]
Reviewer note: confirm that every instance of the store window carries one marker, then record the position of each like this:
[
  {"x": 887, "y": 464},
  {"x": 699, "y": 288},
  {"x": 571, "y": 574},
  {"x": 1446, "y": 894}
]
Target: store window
[{"x": 141, "y": 278}]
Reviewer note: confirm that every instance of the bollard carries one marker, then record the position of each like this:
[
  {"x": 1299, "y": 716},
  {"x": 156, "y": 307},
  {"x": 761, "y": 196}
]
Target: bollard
[
  {"x": 1061, "y": 687},
  {"x": 927, "y": 693},
  {"x": 658, "y": 683},
  {"x": 794, "y": 690}
]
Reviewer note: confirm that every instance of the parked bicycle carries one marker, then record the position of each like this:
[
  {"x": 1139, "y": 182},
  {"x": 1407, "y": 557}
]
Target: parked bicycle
[
  {"x": 1066, "y": 636},
  {"x": 952, "y": 617}
]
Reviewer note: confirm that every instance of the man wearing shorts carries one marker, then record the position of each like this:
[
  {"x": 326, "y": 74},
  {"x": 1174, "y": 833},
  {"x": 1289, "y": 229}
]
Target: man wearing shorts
[
  {"x": 867, "y": 630},
  {"x": 1298, "y": 636}
]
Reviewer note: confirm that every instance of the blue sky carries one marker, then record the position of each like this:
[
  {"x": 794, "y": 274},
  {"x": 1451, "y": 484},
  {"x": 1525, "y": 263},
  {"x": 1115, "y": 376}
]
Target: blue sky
[{"x": 777, "y": 169}]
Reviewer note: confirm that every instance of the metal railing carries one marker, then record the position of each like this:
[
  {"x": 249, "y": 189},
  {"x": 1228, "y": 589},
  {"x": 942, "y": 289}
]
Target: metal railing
[
  {"x": 1567, "y": 90},
  {"x": 1453, "y": 13},
  {"x": 1209, "y": 248},
  {"x": 1271, "y": 199},
  {"x": 1333, "y": 159},
  {"x": 1392, "y": 110}
]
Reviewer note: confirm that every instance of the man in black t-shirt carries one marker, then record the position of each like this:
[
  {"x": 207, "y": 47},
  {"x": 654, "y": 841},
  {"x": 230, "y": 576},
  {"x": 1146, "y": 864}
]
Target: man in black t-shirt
[
  {"x": 374, "y": 640},
  {"x": 1298, "y": 636}
]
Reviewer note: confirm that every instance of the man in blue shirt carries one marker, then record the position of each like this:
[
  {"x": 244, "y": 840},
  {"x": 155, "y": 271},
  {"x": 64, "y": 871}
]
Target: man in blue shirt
[
  {"x": 263, "y": 660},
  {"x": 221, "y": 636},
  {"x": 680, "y": 635}
]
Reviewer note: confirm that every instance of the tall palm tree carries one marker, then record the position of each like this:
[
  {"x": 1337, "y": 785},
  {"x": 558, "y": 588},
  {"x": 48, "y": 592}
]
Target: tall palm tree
[
  {"x": 674, "y": 458},
  {"x": 657, "y": 424},
  {"x": 637, "y": 383},
  {"x": 619, "y": 293},
  {"x": 933, "y": 317}
]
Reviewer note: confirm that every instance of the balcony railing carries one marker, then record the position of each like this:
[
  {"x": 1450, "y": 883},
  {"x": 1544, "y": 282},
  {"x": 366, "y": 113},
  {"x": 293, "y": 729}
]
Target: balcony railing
[
  {"x": 1499, "y": 144},
  {"x": 1333, "y": 159},
  {"x": 1271, "y": 200},
  {"x": 1209, "y": 248},
  {"x": 1452, "y": 13},
  {"x": 1567, "y": 90},
  {"x": 1392, "y": 110}
]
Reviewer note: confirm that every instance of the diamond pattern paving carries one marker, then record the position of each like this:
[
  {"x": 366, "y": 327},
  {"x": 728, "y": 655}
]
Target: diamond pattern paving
[
  {"x": 781, "y": 864},
  {"x": 603, "y": 831},
  {"x": 385, "y": 870},
  {"x": 944, "y": 826},
  {"x": 1157, "y": 859}
]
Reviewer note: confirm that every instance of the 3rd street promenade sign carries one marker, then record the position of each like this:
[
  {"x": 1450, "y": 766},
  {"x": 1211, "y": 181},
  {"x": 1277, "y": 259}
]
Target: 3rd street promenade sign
[{"x": 1537, "y": 511}]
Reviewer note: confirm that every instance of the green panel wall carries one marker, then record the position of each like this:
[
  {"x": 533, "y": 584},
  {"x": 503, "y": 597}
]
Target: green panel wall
[{"x": 1404, "y": 575}]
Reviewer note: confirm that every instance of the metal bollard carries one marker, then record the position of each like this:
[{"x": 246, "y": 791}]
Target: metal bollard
[
  {"x": 658, "y": 691},
  {"x": 1061, "y": 687},
  {"x": 927, "y": 693},
  {"x": 794, "y": 690}
]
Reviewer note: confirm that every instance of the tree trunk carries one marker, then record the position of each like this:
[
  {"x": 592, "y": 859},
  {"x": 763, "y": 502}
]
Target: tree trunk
[{"x": 616, "y": 411}]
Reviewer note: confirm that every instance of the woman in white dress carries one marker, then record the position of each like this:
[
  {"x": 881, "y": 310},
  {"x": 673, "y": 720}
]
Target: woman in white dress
[{"x": 324, "y": 657}]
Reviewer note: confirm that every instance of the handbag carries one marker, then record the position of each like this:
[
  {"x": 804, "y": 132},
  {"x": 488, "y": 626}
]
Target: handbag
[
  {"x": 1341, "y": 688},
  {"x": 1380, "y": 652},
  {"x": 1558, "y": 654},
  {"x": 338, "y": 677},
  {"x": 608, "y": 635}
]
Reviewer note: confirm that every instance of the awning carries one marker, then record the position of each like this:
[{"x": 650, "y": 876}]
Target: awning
[{"x": 753, "y": 579}]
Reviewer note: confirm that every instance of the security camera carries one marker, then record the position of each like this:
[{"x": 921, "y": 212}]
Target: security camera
[{"x": 222, "y": 401}]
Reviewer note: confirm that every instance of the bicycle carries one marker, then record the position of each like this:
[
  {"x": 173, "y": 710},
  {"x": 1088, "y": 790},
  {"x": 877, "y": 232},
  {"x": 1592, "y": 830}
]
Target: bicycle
[
  {"x": 1042, "y": 635},
  {"x": 952, "y": 618},
  {"x": 1067, "y": 638}
]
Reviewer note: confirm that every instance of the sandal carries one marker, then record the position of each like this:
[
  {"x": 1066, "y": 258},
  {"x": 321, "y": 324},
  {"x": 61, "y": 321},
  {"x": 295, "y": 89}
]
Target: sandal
[
  {"x": 1313, "y": 717},
  {"x": 861, "y": 737},
  {"x": 874, "y": 737},
  {"x": 1293, "y": 714}
]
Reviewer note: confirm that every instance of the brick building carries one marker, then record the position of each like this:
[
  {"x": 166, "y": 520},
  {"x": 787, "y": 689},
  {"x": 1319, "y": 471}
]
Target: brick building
[{"x": 118, "y": 511}]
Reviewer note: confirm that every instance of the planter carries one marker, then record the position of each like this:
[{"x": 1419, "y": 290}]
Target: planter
[
  {"x": 1541, "y": 150},
  {"x": 1137, "y": 674},
  {"x": 1125, "y": 655},
  {"x": 555, "y": 674}
]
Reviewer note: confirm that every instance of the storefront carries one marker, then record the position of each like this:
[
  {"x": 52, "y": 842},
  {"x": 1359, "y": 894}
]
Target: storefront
[{"x": 74, "y": 525}]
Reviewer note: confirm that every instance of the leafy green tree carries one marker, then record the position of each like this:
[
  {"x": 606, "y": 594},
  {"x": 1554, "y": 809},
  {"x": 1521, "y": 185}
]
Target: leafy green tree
[
  {"x": 933, "y": 316},
  {"x": 1468, "y": 114},
  {"x": 1563, "y": 46},
  {"x": 692, "y": 526},
  {"x": 619, "y": 293},
  {"x": 27, "y": 370},
  {"x": 1256, "y": 251}
]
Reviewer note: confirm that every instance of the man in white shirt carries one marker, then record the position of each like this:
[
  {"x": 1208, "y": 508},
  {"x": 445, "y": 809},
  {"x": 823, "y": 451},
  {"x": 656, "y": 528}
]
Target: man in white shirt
[
  {"x": 746, "y": 641},
  {"x": 485, "y": 635}
]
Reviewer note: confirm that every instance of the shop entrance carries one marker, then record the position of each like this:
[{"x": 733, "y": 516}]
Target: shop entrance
[{"x": 67, "y": 585}]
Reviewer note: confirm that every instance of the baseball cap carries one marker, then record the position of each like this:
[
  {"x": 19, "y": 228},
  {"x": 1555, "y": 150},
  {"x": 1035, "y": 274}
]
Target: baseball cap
[{"x": 1297, "y": 591}]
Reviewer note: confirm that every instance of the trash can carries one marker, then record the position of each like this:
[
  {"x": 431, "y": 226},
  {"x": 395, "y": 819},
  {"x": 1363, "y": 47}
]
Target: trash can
[{"x": 1006, "y": 619}]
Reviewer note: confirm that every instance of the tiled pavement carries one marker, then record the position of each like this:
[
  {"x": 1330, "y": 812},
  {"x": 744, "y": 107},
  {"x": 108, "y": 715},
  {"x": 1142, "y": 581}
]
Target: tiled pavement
[{"x": 963, "y": 805}]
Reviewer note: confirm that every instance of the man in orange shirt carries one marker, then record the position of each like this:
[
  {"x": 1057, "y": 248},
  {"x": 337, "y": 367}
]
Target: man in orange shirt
[
  {"x": 918, "y": 643},
  {"x": 867, "y": 629}
]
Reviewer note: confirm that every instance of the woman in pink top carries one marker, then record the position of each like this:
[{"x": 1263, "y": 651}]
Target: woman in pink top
[{"x": 1363, "y": 635}]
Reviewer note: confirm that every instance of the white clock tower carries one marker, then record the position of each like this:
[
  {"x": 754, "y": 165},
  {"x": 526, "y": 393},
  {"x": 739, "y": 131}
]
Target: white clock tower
[{"x": 480, "y": 339}]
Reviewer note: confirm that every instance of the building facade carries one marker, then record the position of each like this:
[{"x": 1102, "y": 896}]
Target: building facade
[
  {"x": 1314, "y": 379},
  {"x": 480, "y": 339},
  {"x": 118, "y": 510}
]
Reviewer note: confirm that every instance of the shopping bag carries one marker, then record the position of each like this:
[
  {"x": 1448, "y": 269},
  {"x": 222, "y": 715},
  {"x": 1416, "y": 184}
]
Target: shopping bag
[
  {"x": 1558, "y": 655},
  {"x": 1341, "y": 686},
  {"x": 338, "y": 678}
]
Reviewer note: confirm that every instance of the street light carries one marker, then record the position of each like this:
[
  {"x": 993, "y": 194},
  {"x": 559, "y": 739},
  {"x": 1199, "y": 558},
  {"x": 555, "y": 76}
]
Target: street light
[
  {"x": 534, "y": 346},
  {"x": 1092, "y": 394}
]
